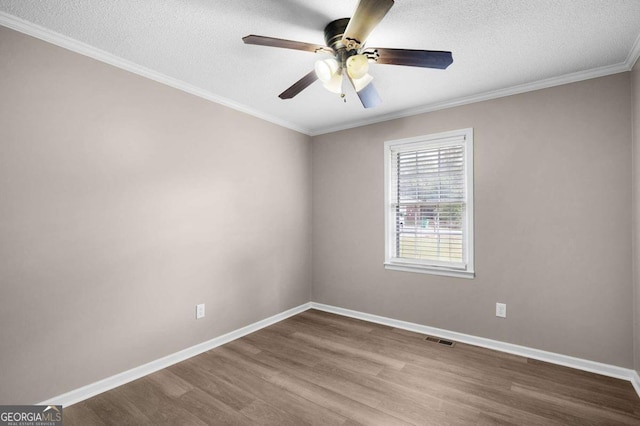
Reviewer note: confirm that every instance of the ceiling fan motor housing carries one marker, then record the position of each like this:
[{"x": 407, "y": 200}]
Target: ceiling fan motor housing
[{"x": 333, "y": 34}]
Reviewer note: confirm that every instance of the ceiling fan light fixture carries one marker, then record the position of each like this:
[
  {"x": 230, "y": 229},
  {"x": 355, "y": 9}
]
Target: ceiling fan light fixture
[
  {"x": 334, "y": 85},
  {"x": 357, "y": 66},
  {"x": 327, "y": 69},
  {"x": 362, "y": 82}
]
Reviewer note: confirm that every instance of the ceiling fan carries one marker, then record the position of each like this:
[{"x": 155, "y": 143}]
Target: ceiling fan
[{"x": 350, "y": 59}]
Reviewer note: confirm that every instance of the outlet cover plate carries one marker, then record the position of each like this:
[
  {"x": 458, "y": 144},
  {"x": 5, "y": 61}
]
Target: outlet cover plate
[
  {"x": 501, "y": 310},
  {"x": 200, "y": 311}
]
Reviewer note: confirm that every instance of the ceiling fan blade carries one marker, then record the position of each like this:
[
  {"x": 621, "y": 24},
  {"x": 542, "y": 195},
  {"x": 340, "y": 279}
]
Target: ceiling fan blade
[
  {"x": 368, "y": 14},
  {"x": 368, "y": 95},
  {"x": 287, "y": 44},
  {"x": 412, "y": 58},
  {"x": 299, "y": 86}
]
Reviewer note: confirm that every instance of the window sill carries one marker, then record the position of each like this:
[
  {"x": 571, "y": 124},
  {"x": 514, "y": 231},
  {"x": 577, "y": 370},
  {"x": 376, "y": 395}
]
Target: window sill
[{"x": 430, "y": 270}]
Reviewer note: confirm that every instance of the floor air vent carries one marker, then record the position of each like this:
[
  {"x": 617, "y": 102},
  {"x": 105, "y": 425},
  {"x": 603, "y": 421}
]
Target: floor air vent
[{"x": 440, "y": 341}]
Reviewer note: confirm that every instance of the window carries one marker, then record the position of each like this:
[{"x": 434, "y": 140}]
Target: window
[{"x": 429, "y": 204}]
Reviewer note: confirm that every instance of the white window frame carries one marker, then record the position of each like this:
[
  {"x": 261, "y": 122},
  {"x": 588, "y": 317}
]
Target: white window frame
[{"x": 429, "y": 267}]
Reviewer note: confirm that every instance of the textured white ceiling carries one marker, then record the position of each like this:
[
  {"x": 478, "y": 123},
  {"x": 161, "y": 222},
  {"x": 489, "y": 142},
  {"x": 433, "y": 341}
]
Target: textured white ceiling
[{"x": 496, "y": 45}]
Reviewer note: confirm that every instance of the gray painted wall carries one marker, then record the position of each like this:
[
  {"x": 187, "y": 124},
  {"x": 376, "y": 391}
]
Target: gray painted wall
[
  {"x": 124, "y": 203},
  {"x": 635, "y": 81},
  {"x": 552, "y": 220}
]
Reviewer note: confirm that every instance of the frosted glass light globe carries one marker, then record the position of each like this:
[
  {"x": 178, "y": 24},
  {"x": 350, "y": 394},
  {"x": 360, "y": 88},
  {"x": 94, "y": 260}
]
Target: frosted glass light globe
[
  {"x": 361, "y": 83},
  {"x": 357, "y": 66},
  {"x": 326, "y": 69},
  {"x": 334, "y": 84}
]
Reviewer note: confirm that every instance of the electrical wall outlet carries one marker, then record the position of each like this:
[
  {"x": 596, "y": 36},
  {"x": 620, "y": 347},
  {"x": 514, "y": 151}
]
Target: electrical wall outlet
[
  {"x": 200, "y": 311},
  {"x": 501, "y": 310}
]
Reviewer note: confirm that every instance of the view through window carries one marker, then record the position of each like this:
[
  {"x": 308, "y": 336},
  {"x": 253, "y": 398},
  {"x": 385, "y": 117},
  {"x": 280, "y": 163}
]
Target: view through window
[{"x": 428, "y": 185}]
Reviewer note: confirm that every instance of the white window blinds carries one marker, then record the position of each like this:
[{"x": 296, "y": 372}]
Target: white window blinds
[{"x": 428, "y": 203}]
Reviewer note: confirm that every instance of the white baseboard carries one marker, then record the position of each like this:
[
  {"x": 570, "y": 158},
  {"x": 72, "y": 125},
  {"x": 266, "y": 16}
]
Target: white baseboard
[
  {"x": 635, "y": 381},
  {"x": 551, "y": 357},
  {"x": 120, "y": 379}
]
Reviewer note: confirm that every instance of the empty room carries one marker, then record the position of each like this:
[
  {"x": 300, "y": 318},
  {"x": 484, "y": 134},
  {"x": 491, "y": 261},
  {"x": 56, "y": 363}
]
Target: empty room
[{"x": 338, "y": 212}]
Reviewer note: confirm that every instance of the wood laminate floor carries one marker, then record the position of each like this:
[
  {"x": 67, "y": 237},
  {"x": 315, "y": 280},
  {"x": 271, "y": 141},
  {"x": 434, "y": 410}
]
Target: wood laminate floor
[{"x": 318, "y": 368}]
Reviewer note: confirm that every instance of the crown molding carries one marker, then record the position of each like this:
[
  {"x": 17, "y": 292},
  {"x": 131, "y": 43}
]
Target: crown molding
[
  {"x": 493, "y": 94},
  {"x": 76, "y": 46},
  {"x": 634, "y": 54},
  {"x": 73, "y": 45}
]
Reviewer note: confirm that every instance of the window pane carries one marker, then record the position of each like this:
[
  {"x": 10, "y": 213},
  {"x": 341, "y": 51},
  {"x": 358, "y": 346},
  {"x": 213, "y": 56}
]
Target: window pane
[
  {"x": 430, "y": 232},
  {"x": 429, "y": 214}
]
